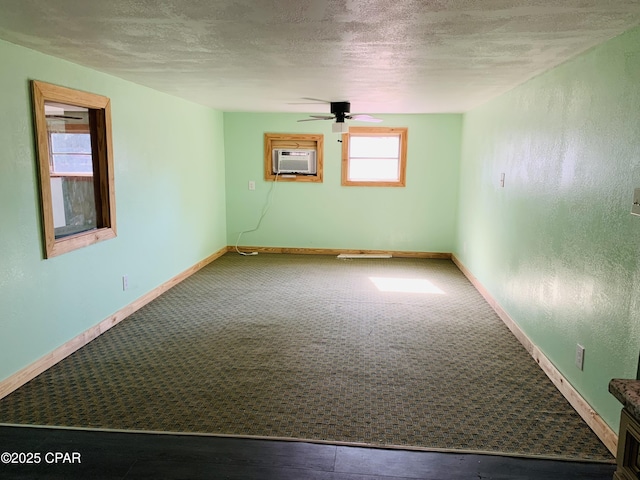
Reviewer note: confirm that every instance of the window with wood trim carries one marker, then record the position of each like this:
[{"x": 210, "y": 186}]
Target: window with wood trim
[
  {"x": 73, "y": 136},
  {"x": 374, "y": 156}
]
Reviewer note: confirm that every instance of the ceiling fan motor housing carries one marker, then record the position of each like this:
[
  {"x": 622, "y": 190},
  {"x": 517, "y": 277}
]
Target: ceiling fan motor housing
[{"x": 340, "y": 110}]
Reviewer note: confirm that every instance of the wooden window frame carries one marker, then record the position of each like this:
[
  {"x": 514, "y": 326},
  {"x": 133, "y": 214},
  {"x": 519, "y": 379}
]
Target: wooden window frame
[
  {"x": 402, "y": 132},
  {"x": 306, "y": 141},
  {"x": 102, "y": 153}
]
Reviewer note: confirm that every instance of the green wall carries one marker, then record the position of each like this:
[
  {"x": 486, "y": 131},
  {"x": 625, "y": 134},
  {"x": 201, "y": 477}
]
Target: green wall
[
  {"x": 170, "y": 205},
  {"x": 419, "y": 217},
  {"x": 557, "y": 246}
]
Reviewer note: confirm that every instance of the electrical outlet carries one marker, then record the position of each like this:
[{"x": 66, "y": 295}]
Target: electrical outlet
[
  {"x": 252, "y": 185},
  {"x": 125, "y": 282},
  {"x": 580, "y": 356},
  {"x": 635, "y": 208}
]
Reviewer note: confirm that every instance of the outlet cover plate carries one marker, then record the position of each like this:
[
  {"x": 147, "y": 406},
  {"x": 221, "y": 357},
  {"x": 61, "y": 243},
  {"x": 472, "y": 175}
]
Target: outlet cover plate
[
  {"x": 580, "y": 357},
  {"x": 635, "y": 207}
]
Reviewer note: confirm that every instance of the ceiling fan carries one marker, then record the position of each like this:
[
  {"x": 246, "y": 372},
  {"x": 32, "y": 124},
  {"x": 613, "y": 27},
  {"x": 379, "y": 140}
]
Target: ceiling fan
[{"x": 340, "y": 111}]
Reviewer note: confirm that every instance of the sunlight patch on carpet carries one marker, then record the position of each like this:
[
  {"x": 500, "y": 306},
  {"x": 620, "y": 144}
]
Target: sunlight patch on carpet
[{"x": 405, "y": 285}]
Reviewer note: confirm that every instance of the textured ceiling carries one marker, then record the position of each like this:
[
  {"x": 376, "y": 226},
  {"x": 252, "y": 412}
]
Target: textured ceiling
[{"x": 385, "y": 56}]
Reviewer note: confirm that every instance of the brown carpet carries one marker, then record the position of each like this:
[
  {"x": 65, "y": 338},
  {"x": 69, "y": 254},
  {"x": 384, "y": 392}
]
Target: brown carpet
[{"x": 308, "y": 347}]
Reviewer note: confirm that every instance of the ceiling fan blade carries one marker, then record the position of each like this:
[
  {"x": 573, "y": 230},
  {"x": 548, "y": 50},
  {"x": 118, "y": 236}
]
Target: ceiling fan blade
[
  {"x": 361, "y": 117},
  {"x": 314, "y": 119},
  {"x": 312, "y": 101},
  {"x": 316, "y": 100},
  {"x": 317, "y": 117}
]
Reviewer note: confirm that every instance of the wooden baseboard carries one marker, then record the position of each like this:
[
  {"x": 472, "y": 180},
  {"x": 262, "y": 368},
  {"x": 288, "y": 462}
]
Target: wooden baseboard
[
  {"x": 604, "y": 432},
  {"x": 338, "y": 251},
  {"x": 31, "y": 371}
]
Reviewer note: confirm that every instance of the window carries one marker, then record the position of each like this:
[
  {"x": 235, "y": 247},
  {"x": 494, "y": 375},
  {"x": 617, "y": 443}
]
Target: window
[
  {"x": 374, "y": 156},
  {"x": 70, "y": 153},
  {"x": 73, "y": 135}
]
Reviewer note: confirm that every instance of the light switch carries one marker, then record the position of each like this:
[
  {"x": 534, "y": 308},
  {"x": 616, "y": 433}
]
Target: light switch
[{"x": 635, "y": 208}]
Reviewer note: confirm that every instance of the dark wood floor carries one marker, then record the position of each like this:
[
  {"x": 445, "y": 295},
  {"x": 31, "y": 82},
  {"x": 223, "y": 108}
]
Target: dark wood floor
[{"x": 111, "y": 455}]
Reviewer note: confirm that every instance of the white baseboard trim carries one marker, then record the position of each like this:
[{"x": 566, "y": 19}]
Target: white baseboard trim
[
  {"x": 604, "y": 432},
  {"x": 31, "y": 371}
]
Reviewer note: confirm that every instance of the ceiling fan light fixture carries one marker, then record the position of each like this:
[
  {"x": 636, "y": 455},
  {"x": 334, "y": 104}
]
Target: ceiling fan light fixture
[{"x": 339, "y": 127}]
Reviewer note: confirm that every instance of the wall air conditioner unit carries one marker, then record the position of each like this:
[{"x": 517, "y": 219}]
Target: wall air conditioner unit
[{"x": 296, "y": 162}]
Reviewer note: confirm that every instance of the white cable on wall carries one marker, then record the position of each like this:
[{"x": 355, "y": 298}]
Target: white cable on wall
[{"x": 264, "y": 212}]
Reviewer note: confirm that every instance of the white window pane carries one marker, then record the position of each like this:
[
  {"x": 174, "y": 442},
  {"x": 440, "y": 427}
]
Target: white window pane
[
  {"x": 373, "y": 169},
  {"x": 374, "y": 147},
  {"x": 72, "y": 164},
  {"x": 71, "y": 142}
]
